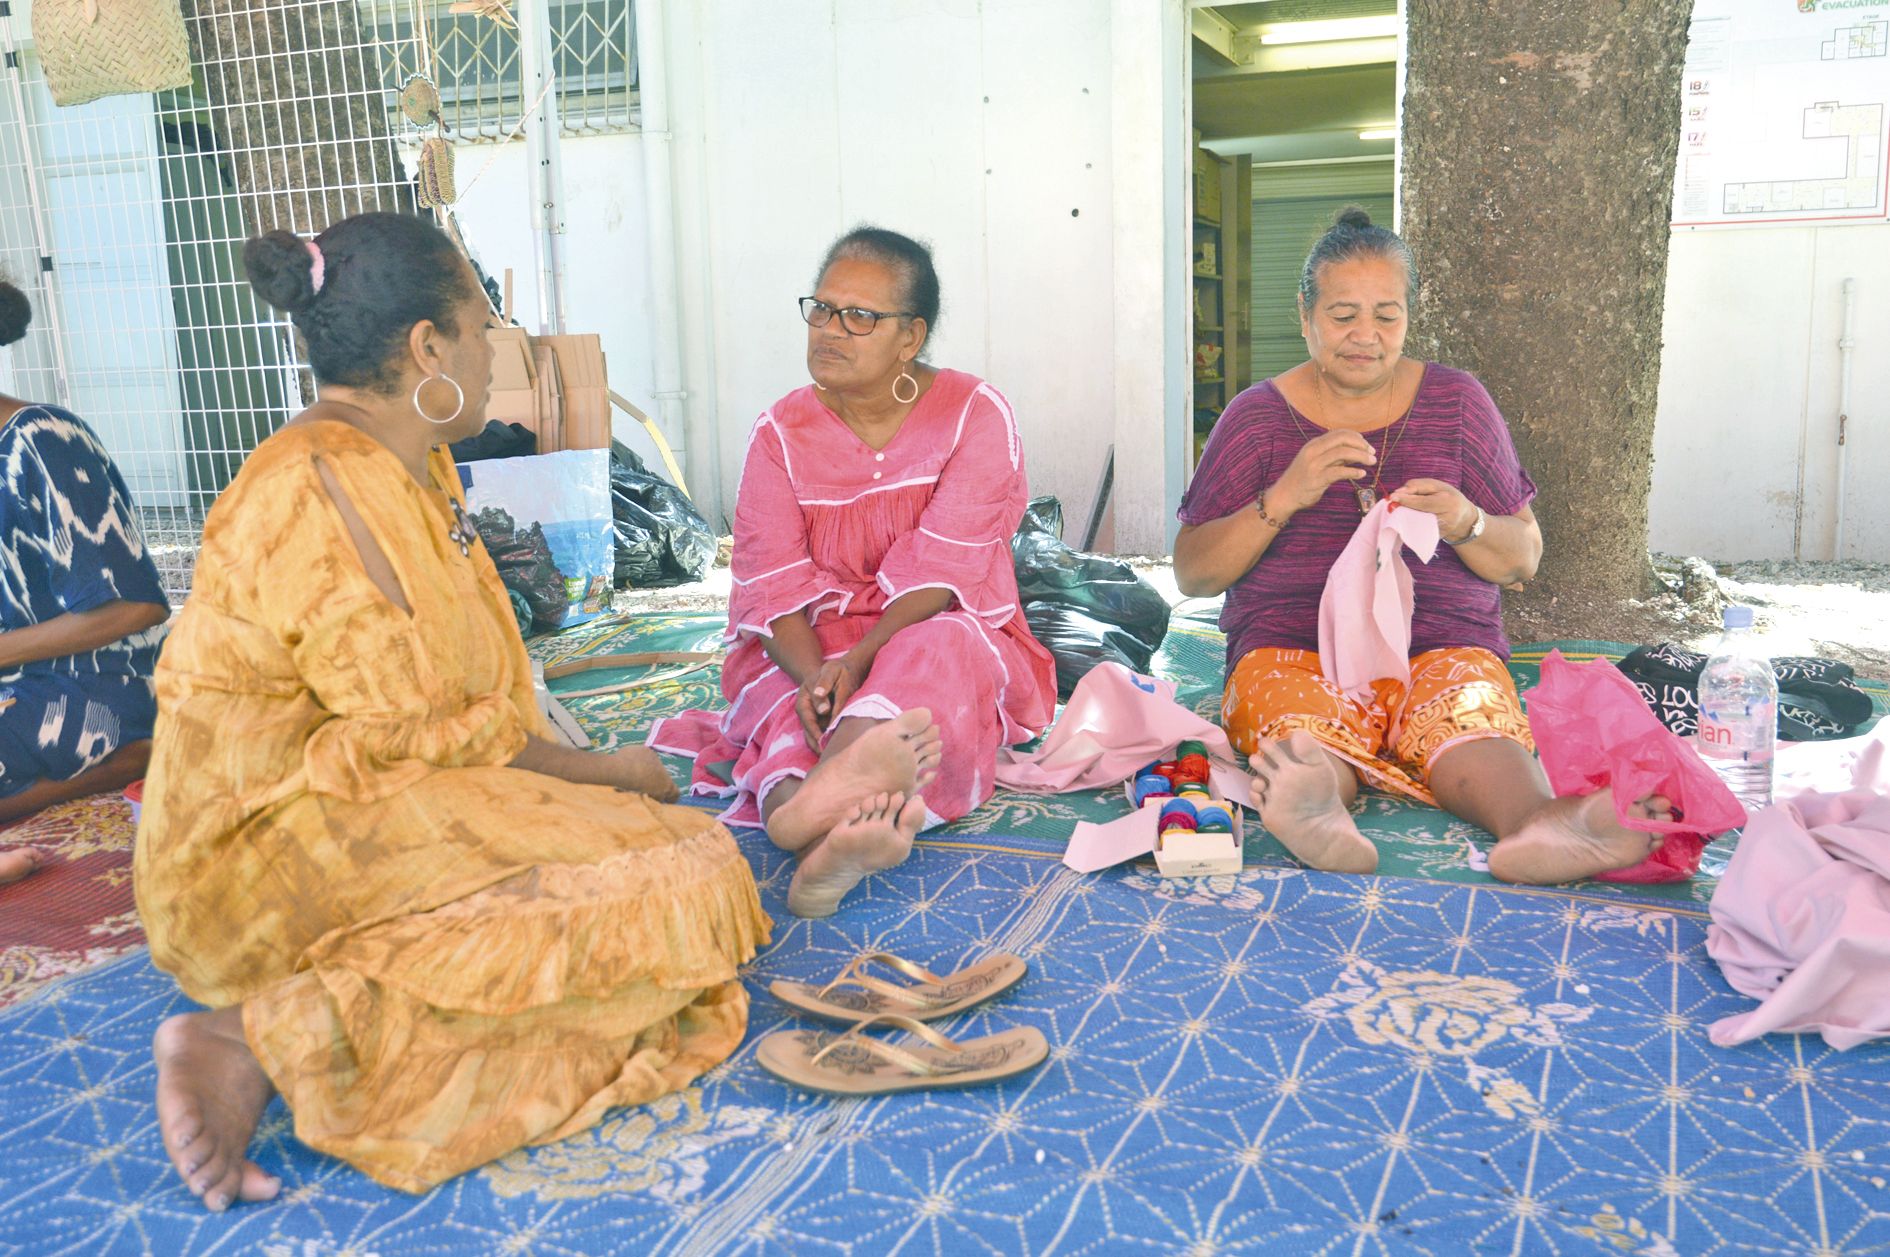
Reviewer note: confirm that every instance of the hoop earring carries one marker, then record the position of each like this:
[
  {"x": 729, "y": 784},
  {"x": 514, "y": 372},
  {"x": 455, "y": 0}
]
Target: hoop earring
[
  {"x": 458, "y": 405},
  {"x": 908, "y": 377}
]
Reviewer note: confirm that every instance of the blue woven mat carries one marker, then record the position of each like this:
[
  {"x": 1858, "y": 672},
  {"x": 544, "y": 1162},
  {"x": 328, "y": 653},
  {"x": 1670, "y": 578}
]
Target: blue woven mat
[{"x": 1284, "y": 1062}]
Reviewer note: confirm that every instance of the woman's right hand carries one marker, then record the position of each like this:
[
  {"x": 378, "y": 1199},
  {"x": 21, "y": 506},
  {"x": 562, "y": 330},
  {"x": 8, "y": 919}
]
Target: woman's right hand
[{"x": 1321, "y": 463}]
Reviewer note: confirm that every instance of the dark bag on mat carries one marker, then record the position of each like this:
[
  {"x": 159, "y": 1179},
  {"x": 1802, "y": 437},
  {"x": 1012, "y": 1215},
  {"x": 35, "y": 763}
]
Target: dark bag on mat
[
  {"x": 662, "y": 539},
  {"x": 1817, "y": 698},
  {"x": 1085, "y": 608}
]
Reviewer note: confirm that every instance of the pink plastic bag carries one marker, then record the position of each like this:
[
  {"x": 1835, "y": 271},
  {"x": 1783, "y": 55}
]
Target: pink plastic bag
[{"x": 1592, "y": 729}]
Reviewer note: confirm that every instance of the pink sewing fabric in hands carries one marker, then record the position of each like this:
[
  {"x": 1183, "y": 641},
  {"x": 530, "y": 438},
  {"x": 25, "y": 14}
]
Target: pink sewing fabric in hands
[
  {"x": 1115, "y": 722},
  {"x": 1365, "y": 611},
  {"x": 1801, "y": 920},
  {"x": 1593, "y": 729}
]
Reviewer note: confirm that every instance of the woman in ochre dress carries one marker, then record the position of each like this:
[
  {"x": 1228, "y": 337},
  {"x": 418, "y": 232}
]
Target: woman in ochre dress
[
  {"x": 436, "y": 932},
  {"x": 880, "y": 656}
]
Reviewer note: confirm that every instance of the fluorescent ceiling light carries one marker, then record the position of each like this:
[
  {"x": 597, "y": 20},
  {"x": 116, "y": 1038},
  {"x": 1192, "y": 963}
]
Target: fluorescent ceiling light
[
  {"x": 1338, "y": 28},
  {"x": 1379, "y": 133}
]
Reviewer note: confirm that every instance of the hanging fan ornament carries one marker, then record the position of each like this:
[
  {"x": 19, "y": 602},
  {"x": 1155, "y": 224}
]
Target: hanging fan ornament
[
  {"x": 420, "y": 102},
  {"x": 436, "y": 172},
  {"x": 497, "y": 10}
]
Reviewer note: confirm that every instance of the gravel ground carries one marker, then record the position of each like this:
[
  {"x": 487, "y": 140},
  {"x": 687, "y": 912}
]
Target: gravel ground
[{"x": 1840, "y": 610}]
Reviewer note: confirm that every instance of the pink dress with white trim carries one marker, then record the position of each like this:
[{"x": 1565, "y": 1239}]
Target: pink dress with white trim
[{"x": 827, "y": 525}]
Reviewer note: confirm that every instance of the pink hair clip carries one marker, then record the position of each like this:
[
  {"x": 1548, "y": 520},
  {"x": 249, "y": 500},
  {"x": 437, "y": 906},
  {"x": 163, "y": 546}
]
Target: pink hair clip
[{"x": 320, "y": 265}]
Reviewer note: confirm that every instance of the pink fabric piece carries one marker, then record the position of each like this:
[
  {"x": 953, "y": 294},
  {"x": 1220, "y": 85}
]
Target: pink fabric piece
[
  {"x": 1365, "y": 611},
  {"x": 1801, "y": 920},
  {"x": 1115, "y": 722},
  {"x": 828, "y": 526},
  {"x": 1593, "y": 729}
]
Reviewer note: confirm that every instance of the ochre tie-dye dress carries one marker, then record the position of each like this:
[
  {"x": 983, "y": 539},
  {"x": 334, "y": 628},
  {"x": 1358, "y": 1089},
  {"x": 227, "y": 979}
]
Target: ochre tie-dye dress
[{"x": 439, "y": 958}]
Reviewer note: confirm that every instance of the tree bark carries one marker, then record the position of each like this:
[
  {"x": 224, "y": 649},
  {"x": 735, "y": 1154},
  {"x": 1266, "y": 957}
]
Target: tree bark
[
  {"x": 1539, "y": 145},
  {"x": 298, "y": 99}
]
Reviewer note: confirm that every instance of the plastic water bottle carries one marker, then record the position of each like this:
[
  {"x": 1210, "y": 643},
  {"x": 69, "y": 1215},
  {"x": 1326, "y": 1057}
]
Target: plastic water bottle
[{"x": 1738, "y": 725}]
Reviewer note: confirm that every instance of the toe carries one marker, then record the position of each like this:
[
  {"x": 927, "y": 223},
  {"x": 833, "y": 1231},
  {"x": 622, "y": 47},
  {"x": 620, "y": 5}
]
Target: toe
[{"x": 257, "y": 1183}]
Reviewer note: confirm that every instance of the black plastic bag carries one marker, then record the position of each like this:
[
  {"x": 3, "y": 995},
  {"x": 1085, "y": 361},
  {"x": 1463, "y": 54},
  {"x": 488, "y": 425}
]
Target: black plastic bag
[
  {"x": 498, "y": 440},
  {"x": 1080, "y": 643},
  {"x": 1086, "y": 608},
  {"x": 661, "y": 538}
]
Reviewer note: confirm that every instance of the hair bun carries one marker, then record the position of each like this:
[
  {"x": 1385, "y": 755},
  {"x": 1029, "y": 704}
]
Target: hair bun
[
  {"x": 1352, "y": 216},
  {"x": 281, "y": 270},
  {"x": 16, "y": 313}
]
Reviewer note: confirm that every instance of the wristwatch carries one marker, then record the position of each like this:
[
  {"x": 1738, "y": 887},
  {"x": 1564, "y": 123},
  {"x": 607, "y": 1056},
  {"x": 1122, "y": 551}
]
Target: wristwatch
[{"x": 1476, "y": 528}]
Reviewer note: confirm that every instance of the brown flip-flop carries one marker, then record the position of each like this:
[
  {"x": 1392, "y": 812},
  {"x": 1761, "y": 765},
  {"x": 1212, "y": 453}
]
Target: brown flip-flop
[
  {"x": 856, "y": 994},
  {"x": 857, "y": 1064}
]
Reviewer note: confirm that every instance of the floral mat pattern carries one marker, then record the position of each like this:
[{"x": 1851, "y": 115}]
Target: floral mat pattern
[
  {"x": 1280, "y": 1062},
  {"x": 77, "y": 910}
]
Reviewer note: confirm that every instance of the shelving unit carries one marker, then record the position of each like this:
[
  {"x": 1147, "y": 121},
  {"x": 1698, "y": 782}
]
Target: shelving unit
[{"x": 1210, "y": 315}]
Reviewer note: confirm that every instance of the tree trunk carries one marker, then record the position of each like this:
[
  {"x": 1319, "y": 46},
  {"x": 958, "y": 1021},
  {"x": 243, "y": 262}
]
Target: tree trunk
[
  {"x": 1539, "y": 144},
  {"x": 297, "y": 96}
]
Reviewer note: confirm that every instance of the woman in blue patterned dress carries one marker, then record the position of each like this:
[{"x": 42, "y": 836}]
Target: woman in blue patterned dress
[{"x": 80, "y": 610}]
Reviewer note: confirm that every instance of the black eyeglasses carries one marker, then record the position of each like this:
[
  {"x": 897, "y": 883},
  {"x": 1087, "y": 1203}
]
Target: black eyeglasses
[{"x": 855, "y": 321}]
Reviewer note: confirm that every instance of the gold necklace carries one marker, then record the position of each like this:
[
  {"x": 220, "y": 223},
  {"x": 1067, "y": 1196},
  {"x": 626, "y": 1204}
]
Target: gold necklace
[{"x": 1367, "y": 495}]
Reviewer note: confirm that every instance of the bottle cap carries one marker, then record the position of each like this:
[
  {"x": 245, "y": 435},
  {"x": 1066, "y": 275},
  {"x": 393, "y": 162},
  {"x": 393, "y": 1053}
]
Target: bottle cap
[{"x": 1737, "y": 617}]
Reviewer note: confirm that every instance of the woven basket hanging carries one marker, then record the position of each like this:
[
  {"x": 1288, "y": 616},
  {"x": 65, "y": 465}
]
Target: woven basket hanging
[{"x": 94, "y": 48}]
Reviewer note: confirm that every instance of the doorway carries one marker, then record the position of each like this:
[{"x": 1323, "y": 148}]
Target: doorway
[{"x": 1294, "y": 107}]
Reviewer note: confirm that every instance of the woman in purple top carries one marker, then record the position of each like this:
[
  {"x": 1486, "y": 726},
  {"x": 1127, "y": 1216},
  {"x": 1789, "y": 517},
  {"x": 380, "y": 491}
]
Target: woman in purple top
[{"x": 1290, "y": 470}]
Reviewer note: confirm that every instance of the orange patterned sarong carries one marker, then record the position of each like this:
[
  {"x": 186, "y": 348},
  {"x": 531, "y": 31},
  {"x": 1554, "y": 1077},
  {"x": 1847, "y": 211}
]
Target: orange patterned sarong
[{"x": 1456, "y": 695}]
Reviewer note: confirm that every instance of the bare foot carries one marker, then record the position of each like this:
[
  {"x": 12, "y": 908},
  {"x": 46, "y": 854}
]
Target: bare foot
[
  {"x": 210, "y": 1095},
  {"x": 899, "y": 754},
  {"x": 17, "y": 864},
  {"x": 1568, "y": 839},
  {"x": 1297, "y": 793},
  {"x": 876, "y": 834}
]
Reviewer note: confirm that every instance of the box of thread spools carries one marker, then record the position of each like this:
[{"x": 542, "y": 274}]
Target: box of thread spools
[{"x": 1197, "y": 833}]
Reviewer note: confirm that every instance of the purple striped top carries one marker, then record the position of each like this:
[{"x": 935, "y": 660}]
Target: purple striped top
[{"x": 1454, "y": 433}]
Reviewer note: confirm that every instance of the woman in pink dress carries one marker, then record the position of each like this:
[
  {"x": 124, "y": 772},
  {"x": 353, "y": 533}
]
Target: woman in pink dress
[{"x": 879, "y": 656}]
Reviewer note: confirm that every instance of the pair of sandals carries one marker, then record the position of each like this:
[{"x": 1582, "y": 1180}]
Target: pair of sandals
[{"x": 857, "y": 1063}]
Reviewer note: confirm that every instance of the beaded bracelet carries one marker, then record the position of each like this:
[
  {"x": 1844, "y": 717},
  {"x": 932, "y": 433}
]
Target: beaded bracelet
[{"x": 1260, "y": 507}]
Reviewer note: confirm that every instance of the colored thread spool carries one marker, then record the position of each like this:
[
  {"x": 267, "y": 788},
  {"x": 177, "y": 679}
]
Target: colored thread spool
[
  {"x": 1178, "y": 825},
  {"x": 1214, "y": 820},
  {"x": 1149, "y": 787},
  {"x": 1177, "y": 807},
  {"x": 1192, "y": 768},
  {"x": 1190, "y": 747},
  {"x": 1153, "y": 765}
]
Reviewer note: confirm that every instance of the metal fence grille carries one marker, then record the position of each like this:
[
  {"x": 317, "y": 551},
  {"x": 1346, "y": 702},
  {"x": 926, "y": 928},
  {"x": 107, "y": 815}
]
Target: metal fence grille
[
  {"x": 124, "y": 220},
  {"x": 474, "y": 63}
]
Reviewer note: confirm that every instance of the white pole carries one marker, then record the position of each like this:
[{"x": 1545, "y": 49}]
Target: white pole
[
  {"x": 51, "y": 312},
  {"x": 660, "y": 229},
  {"x": 543, "y": 131},
  {"x": 1846, "y": 342}
]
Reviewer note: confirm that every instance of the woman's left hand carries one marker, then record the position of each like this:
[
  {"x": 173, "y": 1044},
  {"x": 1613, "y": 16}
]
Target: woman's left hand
[{"x": 1455, "y": 514}]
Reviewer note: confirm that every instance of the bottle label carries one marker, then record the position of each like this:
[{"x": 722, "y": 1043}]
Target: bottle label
[{"x": 1736, "y": 734}]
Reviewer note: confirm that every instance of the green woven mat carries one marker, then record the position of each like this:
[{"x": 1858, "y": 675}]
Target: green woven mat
[{"x": 1413, "y": 840}]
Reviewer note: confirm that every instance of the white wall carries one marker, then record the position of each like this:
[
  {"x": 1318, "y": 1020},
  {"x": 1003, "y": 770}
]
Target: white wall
[
  {"x": 607, "y": 274},
  {"x": 1745, "y": 443},
  {"x": 993, "y": 131}
]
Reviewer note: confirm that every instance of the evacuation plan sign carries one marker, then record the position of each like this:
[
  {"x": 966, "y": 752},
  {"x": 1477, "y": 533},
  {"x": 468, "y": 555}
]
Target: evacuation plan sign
[{"x": 1783, "y": 109}]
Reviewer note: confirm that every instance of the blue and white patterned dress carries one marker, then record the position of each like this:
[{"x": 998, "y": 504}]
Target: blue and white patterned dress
[{"x": 69, "y": 542}]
